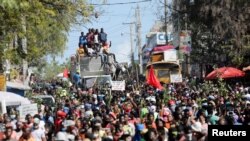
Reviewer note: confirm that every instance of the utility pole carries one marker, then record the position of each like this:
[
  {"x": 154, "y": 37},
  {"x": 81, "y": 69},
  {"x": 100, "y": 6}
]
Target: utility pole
[
  {"x": 24, "y": 47},
  {"x": 138, "y": 31},
  {"x": 131, "y": 42},
  {"x": 166, "y": 23}
]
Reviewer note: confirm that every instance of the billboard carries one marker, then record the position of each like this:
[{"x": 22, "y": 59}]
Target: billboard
[
  {"x": 170, "y": 55},
  {"x": 160, "y": 38}
]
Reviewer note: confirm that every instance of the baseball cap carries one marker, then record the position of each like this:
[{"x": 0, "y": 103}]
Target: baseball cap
[
  {"x": 36, "y": 120},
  {"x": 197, "y": 127}
]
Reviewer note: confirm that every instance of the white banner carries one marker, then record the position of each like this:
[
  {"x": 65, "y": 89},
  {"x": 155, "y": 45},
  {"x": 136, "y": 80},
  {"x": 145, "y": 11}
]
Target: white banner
[
  {"x": 175, "y": 78},
  {"x": 118, "y": 85},
  {"x": 3, "y": 109},
  {"x": 28, "y": 109}
]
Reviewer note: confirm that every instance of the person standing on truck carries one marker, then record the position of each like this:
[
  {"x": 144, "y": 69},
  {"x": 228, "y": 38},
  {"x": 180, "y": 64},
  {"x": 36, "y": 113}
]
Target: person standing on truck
[
  {"x": 82, "y": 39},
  {"x": 96, "y": 41},
  {"x": 77, "y": 78},
  {"x": 90, "y": 38},
  {"x": 102, "y": 37}
]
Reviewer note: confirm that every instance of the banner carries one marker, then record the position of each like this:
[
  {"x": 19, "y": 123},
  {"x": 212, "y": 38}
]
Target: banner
[
  {"x": 175, "y": 78},
  {"x": 2, "y": 83},
  {"x": 118, "y": 85},
  {"x": 3, "y": 109},
  {"x": 28, "y": 109}
]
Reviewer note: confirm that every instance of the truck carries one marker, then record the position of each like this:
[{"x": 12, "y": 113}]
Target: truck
[
  {"x": 93, "y": 71},
  {"x": 163, "y": 58},
  {"x": 166, "y": 66}
]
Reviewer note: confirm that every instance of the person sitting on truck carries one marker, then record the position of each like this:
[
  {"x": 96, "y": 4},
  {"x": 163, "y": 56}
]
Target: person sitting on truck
[
  {"x": 103, "y": 37},
  {"x": 104, "y": 57},
  {"x": 82, "y": 39},
  {"x": 107, "y": 52},
  {"x": 91, "y": 52},
  {"x": 81, "y": 51}
]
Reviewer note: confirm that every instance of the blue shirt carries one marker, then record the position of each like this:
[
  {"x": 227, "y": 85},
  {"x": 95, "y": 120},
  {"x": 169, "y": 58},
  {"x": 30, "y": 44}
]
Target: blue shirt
[{"x": 82, "y": 39}]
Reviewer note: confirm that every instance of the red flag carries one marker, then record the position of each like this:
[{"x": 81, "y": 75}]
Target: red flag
[
  {"x": 152, "y": 80},
  {"x": 66, "y": 73}
]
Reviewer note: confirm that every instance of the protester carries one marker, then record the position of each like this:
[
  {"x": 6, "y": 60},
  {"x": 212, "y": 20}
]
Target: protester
[{"x": 180, "y": 112}]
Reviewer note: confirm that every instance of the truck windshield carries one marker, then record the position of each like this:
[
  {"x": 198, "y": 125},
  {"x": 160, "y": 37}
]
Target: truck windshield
[{"x": 97, "y": 80}]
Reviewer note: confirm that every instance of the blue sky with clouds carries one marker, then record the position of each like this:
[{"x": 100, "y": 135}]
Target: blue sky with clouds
[{"x": 112, "y": 20}]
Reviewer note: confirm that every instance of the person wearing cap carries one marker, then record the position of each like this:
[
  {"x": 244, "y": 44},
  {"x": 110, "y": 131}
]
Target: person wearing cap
[
  {"x": 37, "y": 132},
  {"x": 198, "y": 134},
  {"x": 59, "y": 120},
  {"x": 65, "y": 133}
]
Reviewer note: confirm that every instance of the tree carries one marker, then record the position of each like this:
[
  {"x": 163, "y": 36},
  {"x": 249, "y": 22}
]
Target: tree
[
  {"x": 47, "y": 23},
  {"x": 51, "y": 70},
  {"x": 220, "y": 30}
]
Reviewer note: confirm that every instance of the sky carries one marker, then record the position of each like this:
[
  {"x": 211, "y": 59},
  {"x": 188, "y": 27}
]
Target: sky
[{"x": 112, "y": 19}]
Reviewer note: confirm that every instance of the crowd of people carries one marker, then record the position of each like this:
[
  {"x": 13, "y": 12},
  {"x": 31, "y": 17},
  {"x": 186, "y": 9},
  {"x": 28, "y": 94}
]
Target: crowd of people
[
  {"x": 95, "y": 43},
  {"x": 178, "y": 113}
]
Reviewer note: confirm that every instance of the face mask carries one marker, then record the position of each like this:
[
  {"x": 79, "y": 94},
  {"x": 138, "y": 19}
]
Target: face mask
[{"x": 12, "y": 116}]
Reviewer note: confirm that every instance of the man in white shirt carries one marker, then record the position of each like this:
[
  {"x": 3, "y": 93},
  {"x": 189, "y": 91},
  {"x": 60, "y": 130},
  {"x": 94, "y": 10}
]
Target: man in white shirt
[{"x": 37, "y": 132}]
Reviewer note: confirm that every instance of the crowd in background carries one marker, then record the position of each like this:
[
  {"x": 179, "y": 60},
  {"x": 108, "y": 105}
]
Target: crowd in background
[{"x": 178, "y": 113}]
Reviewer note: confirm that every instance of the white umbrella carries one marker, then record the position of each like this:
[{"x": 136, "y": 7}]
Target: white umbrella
[{"x": 12, "y": 99}]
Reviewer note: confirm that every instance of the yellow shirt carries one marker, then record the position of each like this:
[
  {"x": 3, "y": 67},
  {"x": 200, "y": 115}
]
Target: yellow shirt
[
  {"x": 81, "y": 52},
  {"x": 30, "y": 139}
]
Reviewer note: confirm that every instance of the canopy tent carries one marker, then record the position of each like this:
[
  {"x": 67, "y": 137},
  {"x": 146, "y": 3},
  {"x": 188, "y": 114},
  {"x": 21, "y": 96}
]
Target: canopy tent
[
  {"x": 17, "y": 85},
  {"x": 12, "y": 99},
  {"x": 225, "y": 72}
]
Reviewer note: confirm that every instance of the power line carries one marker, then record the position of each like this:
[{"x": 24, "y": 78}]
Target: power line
[{"x": 121, "y": 3}]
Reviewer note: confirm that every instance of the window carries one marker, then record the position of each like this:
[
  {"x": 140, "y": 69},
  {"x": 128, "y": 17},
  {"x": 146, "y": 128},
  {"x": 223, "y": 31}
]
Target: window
[{"x": 163, "y": 73}]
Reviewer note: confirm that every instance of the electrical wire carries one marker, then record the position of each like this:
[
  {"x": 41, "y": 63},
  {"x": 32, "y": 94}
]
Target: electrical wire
[{"x": 120, "y": 3}]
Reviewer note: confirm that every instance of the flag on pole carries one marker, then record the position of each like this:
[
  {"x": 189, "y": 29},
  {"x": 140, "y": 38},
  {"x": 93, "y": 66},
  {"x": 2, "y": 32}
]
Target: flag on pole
[{"x": 152, "y": 80}]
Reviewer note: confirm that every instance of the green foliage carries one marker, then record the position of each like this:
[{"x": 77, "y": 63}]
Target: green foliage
[
  {"x": 47, "y": 23},
  {"x": 51, "y": 70},
  {"x": 207, "y": 87},
  {"x": 30, "y": 95},
  {"x": 222, "y": 89},
  {"x": 166, "y": 96},
  {"x": 220, "y": 30}
]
